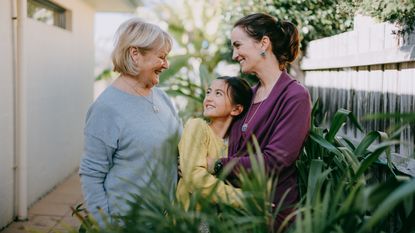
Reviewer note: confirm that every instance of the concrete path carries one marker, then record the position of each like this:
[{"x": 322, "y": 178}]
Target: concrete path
[{"x": 52, "y": 213}]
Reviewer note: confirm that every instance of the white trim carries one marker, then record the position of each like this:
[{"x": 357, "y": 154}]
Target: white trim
[{"x": 20, "y": 112}]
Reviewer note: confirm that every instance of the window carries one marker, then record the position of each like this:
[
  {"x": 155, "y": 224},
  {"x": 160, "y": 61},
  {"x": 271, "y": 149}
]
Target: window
[{"x": 48, "y": 12}]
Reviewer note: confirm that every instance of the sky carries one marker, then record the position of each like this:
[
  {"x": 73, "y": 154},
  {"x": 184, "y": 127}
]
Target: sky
[
  {"x": 107, "y": 23},
  {"x": 105, "y": 26}
]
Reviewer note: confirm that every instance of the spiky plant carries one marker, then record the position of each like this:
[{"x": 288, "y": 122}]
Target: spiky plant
[
  {"x": 336, "y": 181},
  {"x": 338, "y": 189}
]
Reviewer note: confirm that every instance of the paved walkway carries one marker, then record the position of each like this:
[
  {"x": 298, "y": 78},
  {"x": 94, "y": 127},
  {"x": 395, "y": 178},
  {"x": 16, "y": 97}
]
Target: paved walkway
[{"x": 52, "y": 213}]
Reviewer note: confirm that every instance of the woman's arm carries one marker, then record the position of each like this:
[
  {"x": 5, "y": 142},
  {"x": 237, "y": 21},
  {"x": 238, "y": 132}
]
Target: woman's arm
[
  {"x": 93, "y": 170},
  {"x": 100, "y": 133}
]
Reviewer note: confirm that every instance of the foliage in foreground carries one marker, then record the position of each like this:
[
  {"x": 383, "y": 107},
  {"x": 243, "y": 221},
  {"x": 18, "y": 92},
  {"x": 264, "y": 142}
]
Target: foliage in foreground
[
  {"x": 154, "y": 211},
  {"x": 339, "y": 191}
]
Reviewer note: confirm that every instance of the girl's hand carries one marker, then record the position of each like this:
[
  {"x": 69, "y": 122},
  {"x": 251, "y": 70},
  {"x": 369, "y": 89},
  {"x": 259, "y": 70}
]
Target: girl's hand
[{"x": 210, "y": 165}]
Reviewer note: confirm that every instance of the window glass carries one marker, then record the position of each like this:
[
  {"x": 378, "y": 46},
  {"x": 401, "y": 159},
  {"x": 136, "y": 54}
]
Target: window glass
[{"x": 48, "y": 12}]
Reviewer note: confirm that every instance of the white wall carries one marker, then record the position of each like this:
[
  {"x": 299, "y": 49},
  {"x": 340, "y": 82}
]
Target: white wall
[
  {"x": 6, "y": 115},
  {"x": 59, "y": 80}
]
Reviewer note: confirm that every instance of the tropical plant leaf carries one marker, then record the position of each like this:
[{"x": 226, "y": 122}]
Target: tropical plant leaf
[
  {"x": 105, "y": 74},
  {"x": 368, "y": 140},
  {"x": 397, "y": 196},
  {"x": 371, "y": 158},
  {"x": 339, "y": 120},
  {"x": 377, "y": 193},
  {"x": 345, "y": 142},
  {"x": 402, "y": 120},
  {"x": 316, "y": 167},
  {"x": 352, "y": 202},
  {"x": 176, "y": 63},
  {"x": 351, "y": 159},
  {"x": 325, "y": 143}
]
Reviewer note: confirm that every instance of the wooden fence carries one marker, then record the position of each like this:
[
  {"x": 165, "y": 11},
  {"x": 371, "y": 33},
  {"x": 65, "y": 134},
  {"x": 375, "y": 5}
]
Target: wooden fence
[{"x": 368, "y": 70}]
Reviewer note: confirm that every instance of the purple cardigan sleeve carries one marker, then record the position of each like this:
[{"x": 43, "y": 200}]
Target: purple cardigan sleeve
[{"x": 287, "y": 137}]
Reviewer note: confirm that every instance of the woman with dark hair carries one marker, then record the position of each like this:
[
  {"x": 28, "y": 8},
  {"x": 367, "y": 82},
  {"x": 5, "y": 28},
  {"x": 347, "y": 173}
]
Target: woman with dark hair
[{"x": 279, "y": 115}]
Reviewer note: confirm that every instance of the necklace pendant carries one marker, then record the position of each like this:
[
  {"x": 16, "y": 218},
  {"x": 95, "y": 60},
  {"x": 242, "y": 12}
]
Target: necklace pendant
[
  {"x": 156, "y": 109},
  {"x": 244, "y": 127}
]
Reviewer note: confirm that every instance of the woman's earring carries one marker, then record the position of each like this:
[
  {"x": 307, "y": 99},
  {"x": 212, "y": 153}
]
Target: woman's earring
[{"x": 262, "y": 53}]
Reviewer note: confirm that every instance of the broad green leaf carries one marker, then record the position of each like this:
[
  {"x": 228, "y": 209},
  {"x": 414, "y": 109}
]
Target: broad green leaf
[
  {"x": 368, "y": 140},
  {"x": 352, "y": 204},
  {"x": 351, "y": 159},
  {"x": 372, "y": 157},
  {"x": 377, "y": 193},
  {"x": 176, "y": 63},
  {"x": 316, "y": 167},
  {"x": 339, "y": 120},
  {"x": 105, "y": 74},
  {"x": 347, "y": 143},
  {"x": 325, "y": 143}
]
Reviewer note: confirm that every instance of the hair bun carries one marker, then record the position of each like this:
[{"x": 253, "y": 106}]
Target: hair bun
[{"x": 291, "y": 36}]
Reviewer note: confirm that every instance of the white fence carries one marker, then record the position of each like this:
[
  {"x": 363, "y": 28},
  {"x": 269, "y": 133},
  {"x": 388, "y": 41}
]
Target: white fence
[{"x": 367, "y": 70}]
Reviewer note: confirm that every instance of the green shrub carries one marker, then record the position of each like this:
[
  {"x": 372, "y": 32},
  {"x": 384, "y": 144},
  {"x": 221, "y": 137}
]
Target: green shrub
[{"x": 338, "y": 193}]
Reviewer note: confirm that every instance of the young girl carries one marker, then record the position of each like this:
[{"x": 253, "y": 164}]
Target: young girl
[{"x": 226, "y": 99}]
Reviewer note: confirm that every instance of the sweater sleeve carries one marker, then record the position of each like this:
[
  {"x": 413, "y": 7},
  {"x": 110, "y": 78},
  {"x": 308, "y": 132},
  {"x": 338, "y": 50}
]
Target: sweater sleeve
[
  {"x": 193, "y": 149},
  {"x": 99, "y": 147},
  {"x": 286, "y": 139}
]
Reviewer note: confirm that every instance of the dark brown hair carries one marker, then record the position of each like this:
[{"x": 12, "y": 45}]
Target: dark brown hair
[{"x": 283, "y": 35}]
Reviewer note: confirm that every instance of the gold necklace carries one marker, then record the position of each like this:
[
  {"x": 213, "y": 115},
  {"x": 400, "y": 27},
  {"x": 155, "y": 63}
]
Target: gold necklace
[
  {"x": 246, "y": 123},
  {"x": 156, "y": 109}
]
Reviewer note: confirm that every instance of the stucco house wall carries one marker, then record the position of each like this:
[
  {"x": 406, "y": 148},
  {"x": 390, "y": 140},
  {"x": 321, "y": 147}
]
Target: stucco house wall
[
  {"x": 58, "y": 80},
  {"x": 6, "y": 114}
]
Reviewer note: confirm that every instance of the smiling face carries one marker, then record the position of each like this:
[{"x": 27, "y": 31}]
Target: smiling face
[
  {"x": 217, "y": 103},
  {"x": 246, "y": 50},
  {"x": 151, "y": 64}
]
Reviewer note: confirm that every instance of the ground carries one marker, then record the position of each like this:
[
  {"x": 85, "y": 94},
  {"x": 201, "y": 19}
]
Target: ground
[{"x": 52, "y": 213}]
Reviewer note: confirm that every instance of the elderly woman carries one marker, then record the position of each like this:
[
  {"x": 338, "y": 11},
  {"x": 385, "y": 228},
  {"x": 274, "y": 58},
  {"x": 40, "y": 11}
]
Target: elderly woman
[
  {"x": 279, "y": 115},
  {"x": 132, "y": 129}
]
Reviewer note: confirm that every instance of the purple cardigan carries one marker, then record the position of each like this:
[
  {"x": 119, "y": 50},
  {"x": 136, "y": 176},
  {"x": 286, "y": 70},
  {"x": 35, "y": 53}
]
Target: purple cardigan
[{"x": 281, "y": 126}]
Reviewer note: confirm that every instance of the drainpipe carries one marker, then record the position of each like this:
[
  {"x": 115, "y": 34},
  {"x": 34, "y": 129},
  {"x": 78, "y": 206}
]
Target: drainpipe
[{"x": 19, "y": 11}]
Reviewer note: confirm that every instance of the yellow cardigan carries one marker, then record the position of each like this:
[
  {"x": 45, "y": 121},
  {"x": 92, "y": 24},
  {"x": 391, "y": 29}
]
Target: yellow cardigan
[{"x": 198, "y": 141}]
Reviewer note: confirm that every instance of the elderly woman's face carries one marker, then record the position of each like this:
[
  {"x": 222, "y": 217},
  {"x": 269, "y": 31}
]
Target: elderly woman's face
[
  {"x": 151, "y": 64},
  {"x": 246, "y": 51}
]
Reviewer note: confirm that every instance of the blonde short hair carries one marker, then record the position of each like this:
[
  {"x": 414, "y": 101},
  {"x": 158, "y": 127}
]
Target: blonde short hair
[{"x": 141, "y": 35}]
